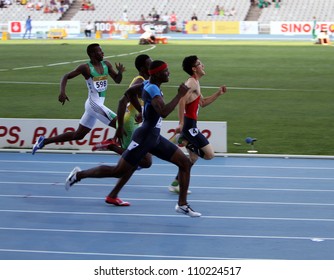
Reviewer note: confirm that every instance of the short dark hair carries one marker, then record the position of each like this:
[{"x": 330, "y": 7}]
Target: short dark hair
[
  {"x": 91, "y": 48},
  {"x": 188, "y": 63},
  {"x": 140, "y": 61}
]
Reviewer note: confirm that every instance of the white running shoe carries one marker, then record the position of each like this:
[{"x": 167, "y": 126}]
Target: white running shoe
[
  {"x": 174, "y": 187},
  {"x": 72, "y": 178},
  {"x": 186, "y": 210}
]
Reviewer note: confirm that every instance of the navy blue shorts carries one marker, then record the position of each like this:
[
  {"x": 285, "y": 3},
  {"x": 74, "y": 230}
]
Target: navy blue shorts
[
  {"x": 143, "y": 143},
  {"x": 192, "y": 134}
]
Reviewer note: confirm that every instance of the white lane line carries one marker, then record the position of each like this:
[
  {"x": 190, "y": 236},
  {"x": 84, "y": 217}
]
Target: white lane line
[
  {"x": 172, "y": 174},
  {"x": 164, "y": 186},
  {"x": 76, "y": 61},
  {"x": 170, "y": 200},
  {"x": 166, "y": 233},
  {"x": 42, "y": 212},
  {"x": 199, "y": 165},
  {"x": 113, "y": 254},
  {"x": 28, "y": 67}
]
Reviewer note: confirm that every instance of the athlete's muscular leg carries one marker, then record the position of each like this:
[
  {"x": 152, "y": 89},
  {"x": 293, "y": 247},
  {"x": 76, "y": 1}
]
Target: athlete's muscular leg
[
  {"x": 79, "y": 134},
  {"x": 122, "y": 168},
  {"x": 184, "y": 164}
]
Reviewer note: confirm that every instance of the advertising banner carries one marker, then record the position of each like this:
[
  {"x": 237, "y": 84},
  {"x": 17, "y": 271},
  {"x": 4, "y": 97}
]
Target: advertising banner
[
  {"x": 18, "y": 27},
  {"x": 131, "y": 27},
  {"x": 23, "y": 133},
  {"x": 212, "y": 27},
  {"x": 299, "y": 27}
]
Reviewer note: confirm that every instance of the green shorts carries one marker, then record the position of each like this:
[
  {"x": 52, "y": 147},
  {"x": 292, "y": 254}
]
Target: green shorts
[{"x": 130, "y": 125}]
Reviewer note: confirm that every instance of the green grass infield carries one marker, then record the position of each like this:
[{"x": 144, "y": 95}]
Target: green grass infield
[{"x": 281, "y": 93}]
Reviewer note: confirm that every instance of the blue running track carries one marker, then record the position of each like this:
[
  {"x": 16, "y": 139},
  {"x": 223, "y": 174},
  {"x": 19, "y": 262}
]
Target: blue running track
[{"x": 253, "y": 208}]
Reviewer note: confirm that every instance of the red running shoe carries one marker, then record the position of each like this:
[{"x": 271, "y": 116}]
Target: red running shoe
[
  {"x": 103, "y": 146},
  {"x": 116, "y": 201}
]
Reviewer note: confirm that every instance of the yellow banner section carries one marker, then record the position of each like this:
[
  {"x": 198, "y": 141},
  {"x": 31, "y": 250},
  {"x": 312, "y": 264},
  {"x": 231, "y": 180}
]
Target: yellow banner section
[{"x": 212, "y": 27}]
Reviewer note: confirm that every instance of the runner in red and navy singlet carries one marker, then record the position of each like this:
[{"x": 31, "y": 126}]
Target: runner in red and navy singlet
[{"x": 196, "y": 143}]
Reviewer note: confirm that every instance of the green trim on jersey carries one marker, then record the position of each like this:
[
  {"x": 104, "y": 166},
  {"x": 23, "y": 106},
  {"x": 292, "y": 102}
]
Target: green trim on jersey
[{"x": 97, "y": 76}]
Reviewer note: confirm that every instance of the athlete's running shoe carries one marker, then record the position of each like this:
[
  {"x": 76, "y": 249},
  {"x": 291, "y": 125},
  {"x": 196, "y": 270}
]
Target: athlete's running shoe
[
  {"x": 104, "y": 145},
  {"x": 116, "y": 201},
  {"x": 72, "y": 178},
  {"x": 186, "y": 210},
  {"x": 39, "y": 144},
  {"x": 174, "y": 187}
]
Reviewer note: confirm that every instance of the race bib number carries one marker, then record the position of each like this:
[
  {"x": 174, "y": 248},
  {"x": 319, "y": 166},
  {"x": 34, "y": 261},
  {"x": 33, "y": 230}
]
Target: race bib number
[
  {"x": 100, "y": 84},
  {"x": 193, "y": 131},
  {"x": 133, "y": 145},
  {"x": 159, "y": 123}
]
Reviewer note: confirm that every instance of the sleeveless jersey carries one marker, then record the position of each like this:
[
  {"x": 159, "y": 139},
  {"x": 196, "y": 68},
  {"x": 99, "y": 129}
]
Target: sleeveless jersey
[
  {"x": 97, "y": 84},
  {"x": 151, "y": 119},
  {"x": 192, "y": 108}
]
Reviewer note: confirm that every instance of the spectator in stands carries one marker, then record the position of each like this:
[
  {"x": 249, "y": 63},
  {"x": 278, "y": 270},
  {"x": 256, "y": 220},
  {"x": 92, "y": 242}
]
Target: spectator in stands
[
  {"x": 91, "y": 6},
  {"x": 30, "y": 5},
  {"x": 142, "y": 17},
  {"x": 28, "y": 27},
  {"x": 231, "y": 13},
  {"x": 165, "y": 17},
  {"x": 39, "y": 5},
  {"x": 173, "y": 21},
  {"x": 61, "y": 9},
  {"x": 263, "y": 4},
  {"x": 125, "y": 15},
  {"x": 53, "y": 4},
  {"x": 2, "y": 4},
  {"x": 194, "y": 17},
  {"x": 222, "y": 11},
  {"x": 153, "y": 12},
  {"x": 88, "y": 29},
  {"x": 216, "y": 11},
  {"x": 149, "y": 17},
  {"x": 87, "y": 5},
  {"x": 47, "y": 9},
  {"x": 156, "y": 16}
]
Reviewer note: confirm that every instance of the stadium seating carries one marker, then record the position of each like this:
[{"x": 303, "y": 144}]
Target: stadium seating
[
  {"x": 299, "y": 10},
  {"x": 289, "y": 10},
  {"x": 17, "y": 12},
  {"x": 113, "y": 9}
]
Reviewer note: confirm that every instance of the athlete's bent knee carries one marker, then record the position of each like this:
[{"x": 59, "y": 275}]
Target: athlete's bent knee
[{"x": 209, "y": 156}]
